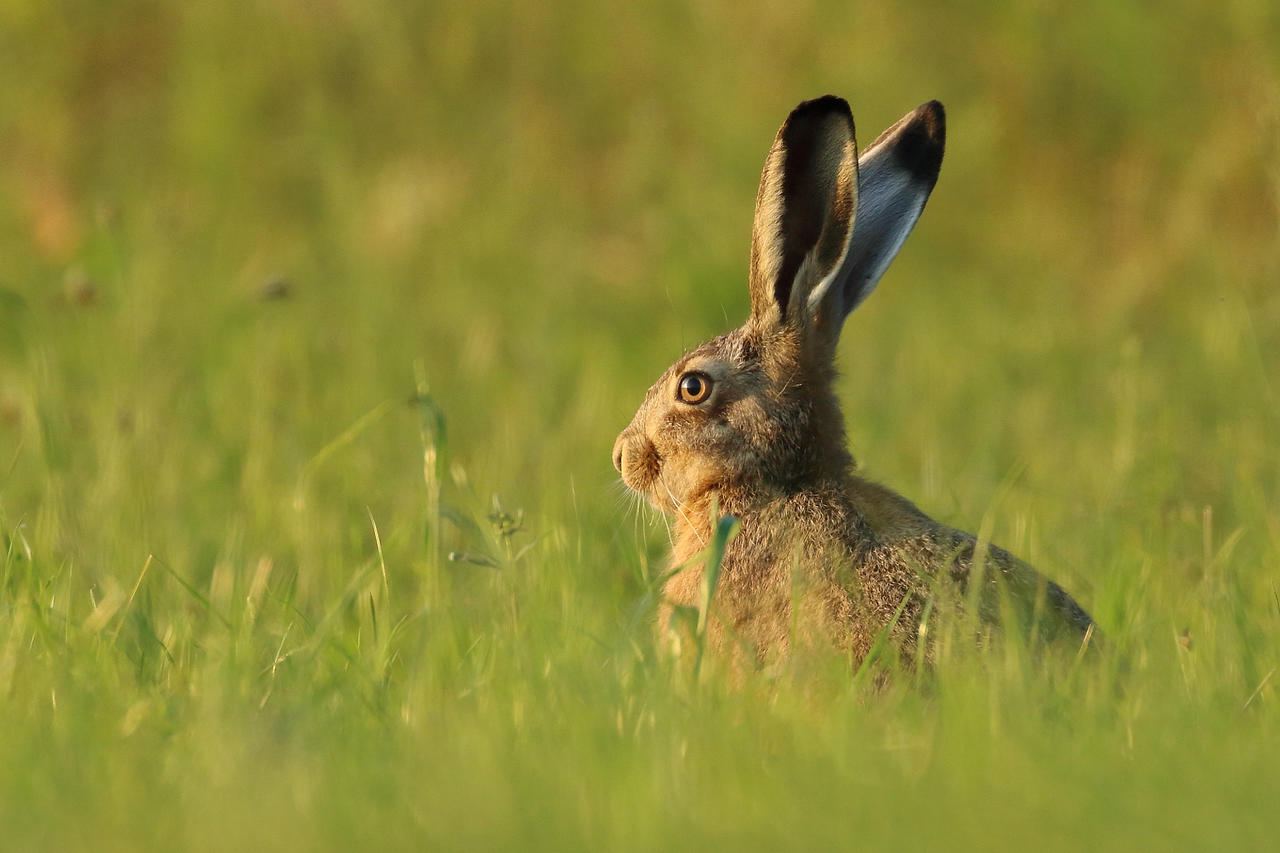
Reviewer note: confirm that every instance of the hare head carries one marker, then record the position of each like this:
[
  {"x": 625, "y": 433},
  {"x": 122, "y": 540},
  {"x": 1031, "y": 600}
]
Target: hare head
[{"x": 752, "y": 415}]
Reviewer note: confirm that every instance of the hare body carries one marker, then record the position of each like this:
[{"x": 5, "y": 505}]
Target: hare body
[{"x": 749, "y": 423}]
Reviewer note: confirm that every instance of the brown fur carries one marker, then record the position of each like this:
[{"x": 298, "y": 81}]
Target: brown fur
[{"x": 823, "y": 558}]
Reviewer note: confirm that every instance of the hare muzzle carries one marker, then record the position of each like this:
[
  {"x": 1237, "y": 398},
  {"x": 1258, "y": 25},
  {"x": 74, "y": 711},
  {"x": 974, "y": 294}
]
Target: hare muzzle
[{"x": 637, "y": 460}]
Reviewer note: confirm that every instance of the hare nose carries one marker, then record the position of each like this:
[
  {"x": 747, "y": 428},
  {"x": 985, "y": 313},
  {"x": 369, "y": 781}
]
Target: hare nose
[{"x": 617, "y": 452}]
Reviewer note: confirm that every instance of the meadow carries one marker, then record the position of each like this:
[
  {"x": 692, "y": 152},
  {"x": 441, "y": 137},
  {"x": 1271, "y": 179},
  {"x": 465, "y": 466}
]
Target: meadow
[{"x": 318, "y": 322}]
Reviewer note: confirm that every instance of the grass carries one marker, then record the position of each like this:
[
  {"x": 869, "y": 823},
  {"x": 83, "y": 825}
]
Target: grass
[{"x": 317, "y": 324}]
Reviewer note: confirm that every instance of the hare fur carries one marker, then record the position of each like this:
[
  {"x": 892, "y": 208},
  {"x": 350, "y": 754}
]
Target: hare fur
[{"x": 749, "y": 423}]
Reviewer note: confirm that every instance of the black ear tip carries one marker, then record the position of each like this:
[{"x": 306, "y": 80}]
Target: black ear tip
[
  {"x": 933, "y": 120},
  {"x": 921, "y": 141},
  {"x": 825, "y": 105}
]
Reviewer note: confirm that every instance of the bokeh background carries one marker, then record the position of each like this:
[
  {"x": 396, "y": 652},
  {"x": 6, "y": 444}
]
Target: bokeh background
[{"x": 298, "y": 299}]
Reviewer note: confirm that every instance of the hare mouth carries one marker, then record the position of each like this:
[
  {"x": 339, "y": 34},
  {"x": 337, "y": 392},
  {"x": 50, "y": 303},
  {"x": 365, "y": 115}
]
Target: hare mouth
[{"x": 643, "y": 475}]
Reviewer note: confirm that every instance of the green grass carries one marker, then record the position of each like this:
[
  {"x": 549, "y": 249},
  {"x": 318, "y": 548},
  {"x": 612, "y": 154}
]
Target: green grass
[{"x": 228, "y": 613}]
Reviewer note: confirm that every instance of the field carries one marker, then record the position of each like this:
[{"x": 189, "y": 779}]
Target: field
[{"x": 318, "y": 322}]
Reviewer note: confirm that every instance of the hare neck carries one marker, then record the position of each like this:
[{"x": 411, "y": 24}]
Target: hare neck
[
  {"x": 814, "y": 454},
  {"x": 756, "y": 504}
]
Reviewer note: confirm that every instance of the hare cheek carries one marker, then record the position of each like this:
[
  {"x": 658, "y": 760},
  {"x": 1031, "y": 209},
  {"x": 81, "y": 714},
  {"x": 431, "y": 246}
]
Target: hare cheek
[
  {"x": 717, "y": 455},
  {"x": 683, "y": 475},
  {"x": 748, "y": 425}
]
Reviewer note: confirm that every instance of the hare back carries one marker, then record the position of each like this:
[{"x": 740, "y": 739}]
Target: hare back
[{"x": 830, "y": 568}]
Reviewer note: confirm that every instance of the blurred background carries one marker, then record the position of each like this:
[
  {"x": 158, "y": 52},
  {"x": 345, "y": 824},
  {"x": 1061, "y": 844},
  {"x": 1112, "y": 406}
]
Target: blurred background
[
  {"x": 276, "y": 277},
  {"x": 229, "y": 232}
]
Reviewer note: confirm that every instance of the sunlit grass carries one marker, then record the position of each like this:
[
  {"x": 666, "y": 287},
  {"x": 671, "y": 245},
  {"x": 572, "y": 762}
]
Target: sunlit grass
[{"x": 317, "y": 325}]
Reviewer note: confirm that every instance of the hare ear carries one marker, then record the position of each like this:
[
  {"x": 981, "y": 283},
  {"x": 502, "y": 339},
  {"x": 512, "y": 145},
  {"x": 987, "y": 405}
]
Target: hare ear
[
  {"x": 804, "y": 211},
  {"x": 895, "y": 176}
]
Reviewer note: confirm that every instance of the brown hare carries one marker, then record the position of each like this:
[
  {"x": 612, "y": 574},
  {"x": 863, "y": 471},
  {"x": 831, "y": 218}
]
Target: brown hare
[{"x": 748, "y": 423}]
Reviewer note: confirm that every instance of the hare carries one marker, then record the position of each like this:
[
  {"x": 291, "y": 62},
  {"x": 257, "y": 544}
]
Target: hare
[{"x": 748, "y": 423}]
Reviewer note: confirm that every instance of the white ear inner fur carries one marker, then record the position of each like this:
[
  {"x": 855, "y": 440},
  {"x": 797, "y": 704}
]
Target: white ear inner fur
[
  {"x": 839, "y": 173},
  {"x": 890, "y": 200},
  {"x": 820, "y": 290}
]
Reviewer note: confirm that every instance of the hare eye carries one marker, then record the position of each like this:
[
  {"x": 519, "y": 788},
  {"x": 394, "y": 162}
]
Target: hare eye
[{"x": 694, "y": 387}]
